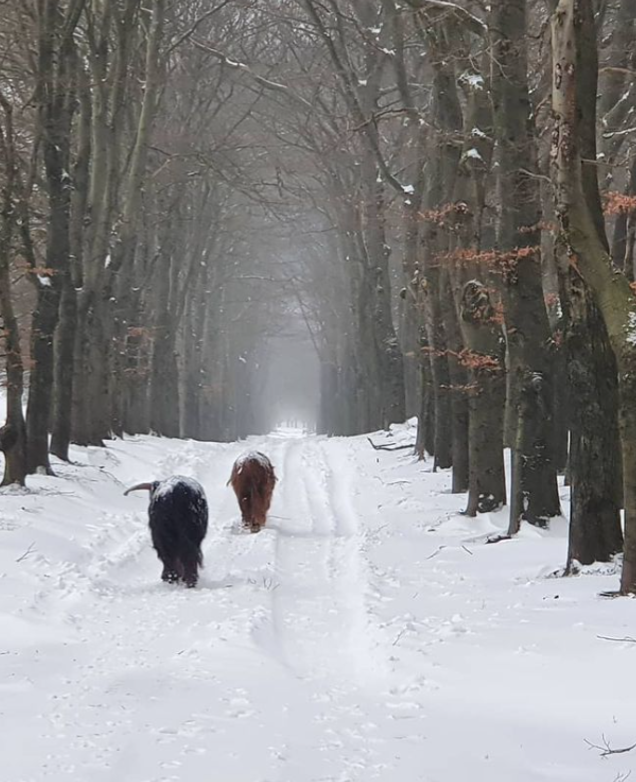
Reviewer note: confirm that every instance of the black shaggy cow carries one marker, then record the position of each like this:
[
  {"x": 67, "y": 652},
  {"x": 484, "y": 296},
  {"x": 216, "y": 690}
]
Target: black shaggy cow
[{"x": 178, "y": 521}]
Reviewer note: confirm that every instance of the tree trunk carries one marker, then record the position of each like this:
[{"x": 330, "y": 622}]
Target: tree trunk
[
  {"x": 70, "y": 281},
  {"x": 56, "y": 91},
  {"x": 480, "y": 324},
  {"x": 487, "y": 484},
  {"x": 63, "y": 371},
  {"x": 13, "y": 433},
  {"x": 534, "y": 493},
  {"x": 595, "y": 523},
  {"x": 458, "y": 390},
  {"x": 585, "y": 249},
  {"x": 376, "y": 251},
  {"x": 164, "y": 386}
]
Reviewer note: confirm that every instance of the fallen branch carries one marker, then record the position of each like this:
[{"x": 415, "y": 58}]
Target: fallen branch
[
  {"x": 399, "y": 635},
  {"x": 439, "y": 548},
  {"x": 605, "y": 749},
  {"x": 626, "y": 639},
  {"x": 26, "y": 553},
  {"x": 393, "y": 447}
]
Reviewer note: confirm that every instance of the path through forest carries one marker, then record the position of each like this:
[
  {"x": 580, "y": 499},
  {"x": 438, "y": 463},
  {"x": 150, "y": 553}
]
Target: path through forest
[{"x": 368, "y": 634}]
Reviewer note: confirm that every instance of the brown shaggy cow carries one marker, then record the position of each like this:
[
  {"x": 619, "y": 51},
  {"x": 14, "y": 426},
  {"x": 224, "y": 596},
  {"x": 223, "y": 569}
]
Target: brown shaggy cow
[{"x": 253, "y": 480}]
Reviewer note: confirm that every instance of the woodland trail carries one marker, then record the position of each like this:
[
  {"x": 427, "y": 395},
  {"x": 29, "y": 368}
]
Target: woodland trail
[{"x": 366, "y": 634}]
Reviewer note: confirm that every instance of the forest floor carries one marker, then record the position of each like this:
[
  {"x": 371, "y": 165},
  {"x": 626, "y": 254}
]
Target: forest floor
[{"x": 369, "y": 633}]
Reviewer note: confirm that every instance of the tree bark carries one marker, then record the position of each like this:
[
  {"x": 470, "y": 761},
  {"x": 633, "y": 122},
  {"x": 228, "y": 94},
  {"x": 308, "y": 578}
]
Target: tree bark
[
  {"x": 534, "y": 494},
  {"x": 56, "y": 95},
  {"x": 587, "y": 252},
  {"x": 595, "y": 533},
  {"x": 13, "y": 432}
]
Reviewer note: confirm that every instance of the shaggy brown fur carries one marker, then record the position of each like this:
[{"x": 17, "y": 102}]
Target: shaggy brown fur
[{"x": 253, "y": 480}]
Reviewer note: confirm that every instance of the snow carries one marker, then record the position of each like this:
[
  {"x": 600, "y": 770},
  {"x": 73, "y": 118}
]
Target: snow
[
  {"x": 474, "y": 80},
  {"x": 473, "y": 154},
  {"x": 253, "y": 456},
  {"x": 168, "y": 485},
  {"x": 631, "y": 328},
  {"x": 368, "y": 633},
  {"x": 44, "y": 281}
]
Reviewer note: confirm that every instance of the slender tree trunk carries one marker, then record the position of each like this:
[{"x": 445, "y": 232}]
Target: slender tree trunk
[
  {"x": 458, "y": 390},
  {"x": 164, "y": 389},
  {"x": 389, "y": 356},
  {"x": 70, "y": 281},
  {"x": 63, "y": 370}
]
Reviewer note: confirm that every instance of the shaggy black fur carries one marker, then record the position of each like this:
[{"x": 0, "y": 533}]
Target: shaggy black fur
[{"x": 178, "y": 520}]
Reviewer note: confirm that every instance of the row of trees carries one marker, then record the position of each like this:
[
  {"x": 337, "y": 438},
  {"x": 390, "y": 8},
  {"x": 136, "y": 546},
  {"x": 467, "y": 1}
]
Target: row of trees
[
  {"x": 126, "y": 208},
  {"x": 437, "y": 188}
]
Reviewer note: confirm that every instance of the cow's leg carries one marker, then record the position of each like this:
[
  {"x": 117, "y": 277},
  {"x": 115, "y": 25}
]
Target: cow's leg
[
  {"x": 190, "y": 568},
  {"x": 245, "y": 504},
  {"x": 165, "y": 551}
]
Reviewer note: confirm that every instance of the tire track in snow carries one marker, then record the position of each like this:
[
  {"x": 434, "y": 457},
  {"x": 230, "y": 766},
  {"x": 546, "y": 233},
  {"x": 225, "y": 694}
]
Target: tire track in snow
[{"x": 319, "y": 619}]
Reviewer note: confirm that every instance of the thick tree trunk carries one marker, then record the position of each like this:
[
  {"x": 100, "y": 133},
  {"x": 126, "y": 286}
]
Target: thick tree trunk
[
  {"x": 38, "y": 416},
  {"x": 595, "y": 523},
  {"x": 56, "y": 91},
  {"x": 534, "y": 494},
  {"x": 480, "y": 324},
  {"x": 13, "y": 433},
  {"x": 595, "y": 463},
  {"x": 487, "y": 484},
  {"x": 585, "y": 249}
]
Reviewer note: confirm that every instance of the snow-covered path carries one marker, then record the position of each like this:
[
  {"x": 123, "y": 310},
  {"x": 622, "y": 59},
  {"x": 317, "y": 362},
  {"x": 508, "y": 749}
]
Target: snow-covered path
[{"x": 367, "y": 634}]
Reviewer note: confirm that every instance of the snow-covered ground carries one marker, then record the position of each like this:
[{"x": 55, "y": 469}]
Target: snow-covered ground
[{"x": 369, "y": 633}]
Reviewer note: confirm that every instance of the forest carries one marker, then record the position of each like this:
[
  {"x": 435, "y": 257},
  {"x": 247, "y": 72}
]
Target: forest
[{"x": 438, "y": 196}]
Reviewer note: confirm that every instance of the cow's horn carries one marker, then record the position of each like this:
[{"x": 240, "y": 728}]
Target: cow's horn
[{"x": 146, "y": 486}]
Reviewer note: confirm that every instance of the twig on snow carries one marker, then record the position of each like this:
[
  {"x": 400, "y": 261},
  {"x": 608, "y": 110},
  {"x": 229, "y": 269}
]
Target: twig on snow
[
  {"x": 606, "y": 749},
  {"x": 439, "y": 548},
  {"x": 390, "y": 447},
  {"x": 30, "y": 550},
  {"x": 398, "y": 636},
  {"x": 611, "y": 594},
  {"x": 626, "y": 639}
]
